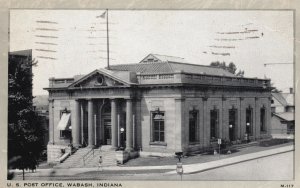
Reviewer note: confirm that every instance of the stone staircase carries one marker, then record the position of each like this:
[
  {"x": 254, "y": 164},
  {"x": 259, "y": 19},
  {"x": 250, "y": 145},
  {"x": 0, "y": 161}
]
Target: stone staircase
[
  {"x": 108, "y": 158},
  {"x": 91, "y": 158},
  {"x": 75, "y": 159}
]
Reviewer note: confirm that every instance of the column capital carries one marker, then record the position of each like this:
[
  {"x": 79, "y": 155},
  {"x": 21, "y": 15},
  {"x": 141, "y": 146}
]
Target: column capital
[
  {"x": 50, "y": 100},
  {"x": 89, "y": 99}
]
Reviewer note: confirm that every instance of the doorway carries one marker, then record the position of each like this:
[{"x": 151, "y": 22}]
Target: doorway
[
  {"x": 106, "y": 124},
  {"x": 107, "y": 131}
]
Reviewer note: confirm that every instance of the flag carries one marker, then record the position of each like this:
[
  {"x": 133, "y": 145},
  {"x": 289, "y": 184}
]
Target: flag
[{"x": 102, "y": 15}]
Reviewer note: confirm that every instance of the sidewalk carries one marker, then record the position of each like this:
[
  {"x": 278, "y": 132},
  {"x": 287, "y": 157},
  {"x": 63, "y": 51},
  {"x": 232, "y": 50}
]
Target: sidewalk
[{"x": 202, "y": 165}]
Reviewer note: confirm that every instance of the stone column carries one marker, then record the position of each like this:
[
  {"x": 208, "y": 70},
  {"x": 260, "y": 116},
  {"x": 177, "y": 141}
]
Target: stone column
[
  {"x": 90, "y": 123},
  {"x": 76, "y": 126},
  {"x": 114, "y": 136},
  {"x": 51, "y": 125},
  {"x": 129, "y": 125}
]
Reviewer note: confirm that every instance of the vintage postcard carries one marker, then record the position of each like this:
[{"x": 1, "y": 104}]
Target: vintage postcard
[{"x": 108, "y": 97}]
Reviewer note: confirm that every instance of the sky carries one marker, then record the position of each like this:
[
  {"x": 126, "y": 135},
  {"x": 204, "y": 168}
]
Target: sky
[{"x": 76, "y": 40}]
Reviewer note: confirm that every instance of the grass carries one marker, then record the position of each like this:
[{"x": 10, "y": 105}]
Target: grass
[{"x": 197, "y": 158}]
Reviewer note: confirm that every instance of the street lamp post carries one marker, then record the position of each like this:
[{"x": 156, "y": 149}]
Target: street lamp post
[
  {"x": 122, "y": 137},
  {"x": 179, "y": 167}
]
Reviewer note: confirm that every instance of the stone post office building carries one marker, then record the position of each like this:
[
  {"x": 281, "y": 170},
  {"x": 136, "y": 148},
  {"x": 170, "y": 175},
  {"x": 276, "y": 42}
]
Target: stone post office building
[{"x": 160, "y": 106}]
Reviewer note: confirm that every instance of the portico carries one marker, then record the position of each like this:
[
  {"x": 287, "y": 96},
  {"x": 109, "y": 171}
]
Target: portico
[{"x": 91, "y": 114}]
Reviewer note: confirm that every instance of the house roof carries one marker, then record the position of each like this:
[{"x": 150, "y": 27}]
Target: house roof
[
  {"x": 285, "y": 99},
  {"x": 287, "y": 116},
  {"x": 279, "y": 98},
  {"x": 154, "y": 63},
  {"x": 289, "y": 97},
  {"x": 25, "y": 53}
]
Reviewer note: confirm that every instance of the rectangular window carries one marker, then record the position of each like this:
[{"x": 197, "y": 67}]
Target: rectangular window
[
  {"x": 214, "y": 119},
  {"x": 193, "y": 126},
  {"x": 249, "y": 121},
  {"x": 232, "y": 124},
  {"x": 158, "y": 123},
  {"x": 65, "y": 134},
  {"x": 262, "y": 119},
  {"x": 64, "y": 125}
]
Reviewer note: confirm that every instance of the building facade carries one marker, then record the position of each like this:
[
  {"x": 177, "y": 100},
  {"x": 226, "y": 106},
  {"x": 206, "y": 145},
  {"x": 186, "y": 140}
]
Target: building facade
[{"x": 160, "y": 106}]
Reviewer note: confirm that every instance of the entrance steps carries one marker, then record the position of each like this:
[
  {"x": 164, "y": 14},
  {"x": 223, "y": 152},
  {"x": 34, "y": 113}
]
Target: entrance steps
[
  {"x": 91, "y": 158},
  {"x": 73, "y": 160},
  {"x": 108, "y": 158}
]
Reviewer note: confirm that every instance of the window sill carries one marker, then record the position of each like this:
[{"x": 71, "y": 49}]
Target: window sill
[{"x": 158, "y": 143}]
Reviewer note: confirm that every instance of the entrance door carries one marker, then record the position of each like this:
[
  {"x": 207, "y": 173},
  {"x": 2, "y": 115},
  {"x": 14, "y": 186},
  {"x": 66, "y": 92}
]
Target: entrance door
[
  {"x": 107, "y": 131},
  {"x": 232, "y": 124}
]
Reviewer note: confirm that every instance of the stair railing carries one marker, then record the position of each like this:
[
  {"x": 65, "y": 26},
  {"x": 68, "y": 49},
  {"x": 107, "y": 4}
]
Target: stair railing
[{"x": 87, "y": 155}]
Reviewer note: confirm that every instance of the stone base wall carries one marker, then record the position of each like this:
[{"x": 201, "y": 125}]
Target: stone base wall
[
  {"x": 55, "y": 151},
  {"x": 123, "y": 156},
  {"x": 147, "y": 154}
]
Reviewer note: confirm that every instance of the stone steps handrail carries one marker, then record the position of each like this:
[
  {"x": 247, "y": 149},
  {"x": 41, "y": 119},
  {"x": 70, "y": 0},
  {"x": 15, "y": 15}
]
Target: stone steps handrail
[{"x": 87, "y": 155}]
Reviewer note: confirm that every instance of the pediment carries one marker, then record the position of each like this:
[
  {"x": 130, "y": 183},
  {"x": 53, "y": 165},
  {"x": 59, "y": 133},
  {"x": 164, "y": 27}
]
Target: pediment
[
  {"x": 98, "y": 79},
  {"x": 151, "y": 59}
]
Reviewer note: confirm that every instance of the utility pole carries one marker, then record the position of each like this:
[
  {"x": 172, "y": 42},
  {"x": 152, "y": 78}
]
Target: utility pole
[{"x": 107, "y": 33}]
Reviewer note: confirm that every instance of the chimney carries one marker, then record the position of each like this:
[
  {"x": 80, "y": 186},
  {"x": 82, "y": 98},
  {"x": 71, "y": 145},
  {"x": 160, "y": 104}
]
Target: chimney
[{"x": 291, "y": 90}]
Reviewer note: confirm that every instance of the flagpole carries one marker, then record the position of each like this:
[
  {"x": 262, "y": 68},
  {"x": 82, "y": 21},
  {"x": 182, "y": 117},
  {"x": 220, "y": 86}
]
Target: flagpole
[{"x": 107, "y": 37}]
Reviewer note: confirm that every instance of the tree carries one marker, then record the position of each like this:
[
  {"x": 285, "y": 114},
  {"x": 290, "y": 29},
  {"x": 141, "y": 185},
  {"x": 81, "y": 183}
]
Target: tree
[
  {"x": 24, "y": 128},
  {"x": 240, "y": 73},
  {"x": 230, "y": 68}
]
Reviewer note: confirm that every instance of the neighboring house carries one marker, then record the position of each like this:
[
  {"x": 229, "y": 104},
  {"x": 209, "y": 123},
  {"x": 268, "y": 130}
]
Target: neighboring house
[
  {"x": 283, "y": 109},
  {"x": 41, "y": 106},
  {"x": 160, "y": 106}
]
